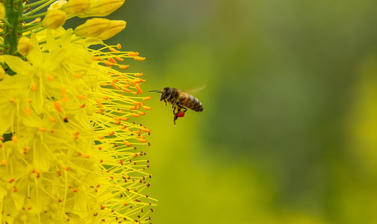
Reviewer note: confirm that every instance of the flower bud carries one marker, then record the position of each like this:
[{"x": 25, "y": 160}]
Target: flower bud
[
  {"x": 2, "y": 11},
  {"x": 54, "y": 19},
  {"x": 76, "y": 6},
  {"x": 92, "y": 27},
  {"x": 114, "y": 28},
  {"x": 24, "y": 45},
  {"x": 57, "y": 4},
  {"x": 101, "y": 8}
]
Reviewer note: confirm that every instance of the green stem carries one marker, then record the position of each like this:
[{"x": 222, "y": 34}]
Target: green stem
[
  {"x": 28, "y": 6},
  {"x": 13, "y": 12},
  {"x": 39, "y": 8},
  {"x": 28, "y": 28},
  {"x": 34, "y": 16}
]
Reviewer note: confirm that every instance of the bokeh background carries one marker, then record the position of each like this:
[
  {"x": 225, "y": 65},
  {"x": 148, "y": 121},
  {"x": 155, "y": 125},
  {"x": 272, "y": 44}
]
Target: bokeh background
[{"x": 289, "y": 129}]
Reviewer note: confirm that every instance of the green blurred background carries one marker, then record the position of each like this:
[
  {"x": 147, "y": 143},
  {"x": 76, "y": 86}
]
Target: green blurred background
[{"x": 289, "y": 128}]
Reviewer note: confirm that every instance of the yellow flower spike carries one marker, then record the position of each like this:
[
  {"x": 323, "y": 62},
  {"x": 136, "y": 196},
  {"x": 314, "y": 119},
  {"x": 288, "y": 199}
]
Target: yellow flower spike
[
  {"x": 2, "y": 11},
  {"x": 76, "y": 6},
  {"x": 114, "y": 28},
  {"x": 54, "y": 18},
  {"x": 100, "y": 8},
  {"x": 92, "y": 27},
  {"x": 24, "y": 46},
  {"x": 76, "y": 153}
]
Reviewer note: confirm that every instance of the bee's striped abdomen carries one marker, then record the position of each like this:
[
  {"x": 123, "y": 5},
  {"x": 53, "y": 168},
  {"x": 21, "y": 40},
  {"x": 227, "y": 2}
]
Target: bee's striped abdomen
[{"x": 189, "y": 101}]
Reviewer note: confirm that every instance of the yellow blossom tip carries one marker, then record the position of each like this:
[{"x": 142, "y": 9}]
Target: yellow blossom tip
[
  {"x": 101, "y": 8},
  {"x": 92, "y": 27},
  {"x": 24, "y": 45},
  {"x": 114, "y": 28},
  {"x": 54, "y": 19},
  {"x": 76, "y": 6}
]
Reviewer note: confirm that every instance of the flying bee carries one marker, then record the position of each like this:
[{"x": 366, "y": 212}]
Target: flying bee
[{"x": 180, "y": 101}]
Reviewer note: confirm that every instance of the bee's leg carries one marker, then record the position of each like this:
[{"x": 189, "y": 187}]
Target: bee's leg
[
  {"x": 181, "y": 107},
  {"x": 175, "y": 117}
]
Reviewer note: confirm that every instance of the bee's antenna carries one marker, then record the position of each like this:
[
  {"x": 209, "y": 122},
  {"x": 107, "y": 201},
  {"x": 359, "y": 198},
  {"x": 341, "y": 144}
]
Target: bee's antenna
[{"x": 156, "y": 91}]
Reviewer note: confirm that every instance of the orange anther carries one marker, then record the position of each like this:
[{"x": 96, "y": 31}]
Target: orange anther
[
  {"x": 59, "y": 172},
  {"x": 126, "y": 90},
  {"x": 108, "y": 63},
  {"x": 81, "y": 97},
  {"x": 65, "y": 168},
  {"x": 99, "y": 103},
  {"x": 12, "y": 100},
  {"x": 11, "y": 180},
  {"x": 138, "y": 89},
  {"x": 33, "y": 86},
  {"x": 114, "y": 50},
  {"x": 147, "y": 108},
  {"x": 4, "y": 162},
  {"x": 147, "y": 98},
  {"x": 101, "y": 137},
  {"x": 118, "y": 58},
  {"x": 112, "y": 60},
  {"x": 114, "y": 85},
  {"x": 96, "y": 58},
  {"x": 127, "y": 143},
  {"x": 138, "y": 58},
  {"x": 119, "y": 46},
  {"x": 135, "y": 115},
  {"x": 141, "y": 140},
  {"x": 78, "y": 75},
  {"x": 124, "y": 66},
  {"x": 50, "y": 78},
  {"x": 75, "y": 190},
  {"x": 57, "y": 106},
  {"x": 141, "y": 112},
  {"x": 138, "y": 74},
  {"x": 42, "y": 129},
  {"x": 52, "y": 119},
  {"x": 27, "y": 110},
  {"x": 14, "y": 139},
  {"x": 132, "y": 54}
]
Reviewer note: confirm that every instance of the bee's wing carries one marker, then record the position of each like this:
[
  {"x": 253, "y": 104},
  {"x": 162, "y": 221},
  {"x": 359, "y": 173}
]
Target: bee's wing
[{"x": 195, "y": 90}]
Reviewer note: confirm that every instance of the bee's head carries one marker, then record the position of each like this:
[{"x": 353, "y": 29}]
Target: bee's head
[{"x": 165, "y": 93}]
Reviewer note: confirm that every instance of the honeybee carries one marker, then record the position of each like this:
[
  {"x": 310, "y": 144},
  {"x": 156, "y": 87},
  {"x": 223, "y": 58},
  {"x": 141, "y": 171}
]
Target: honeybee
[{"x": 179, "y": 100}]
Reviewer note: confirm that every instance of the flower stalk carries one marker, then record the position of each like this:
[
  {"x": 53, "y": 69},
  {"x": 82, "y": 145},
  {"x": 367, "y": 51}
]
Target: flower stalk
[{"x": 13, "y": 26}]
